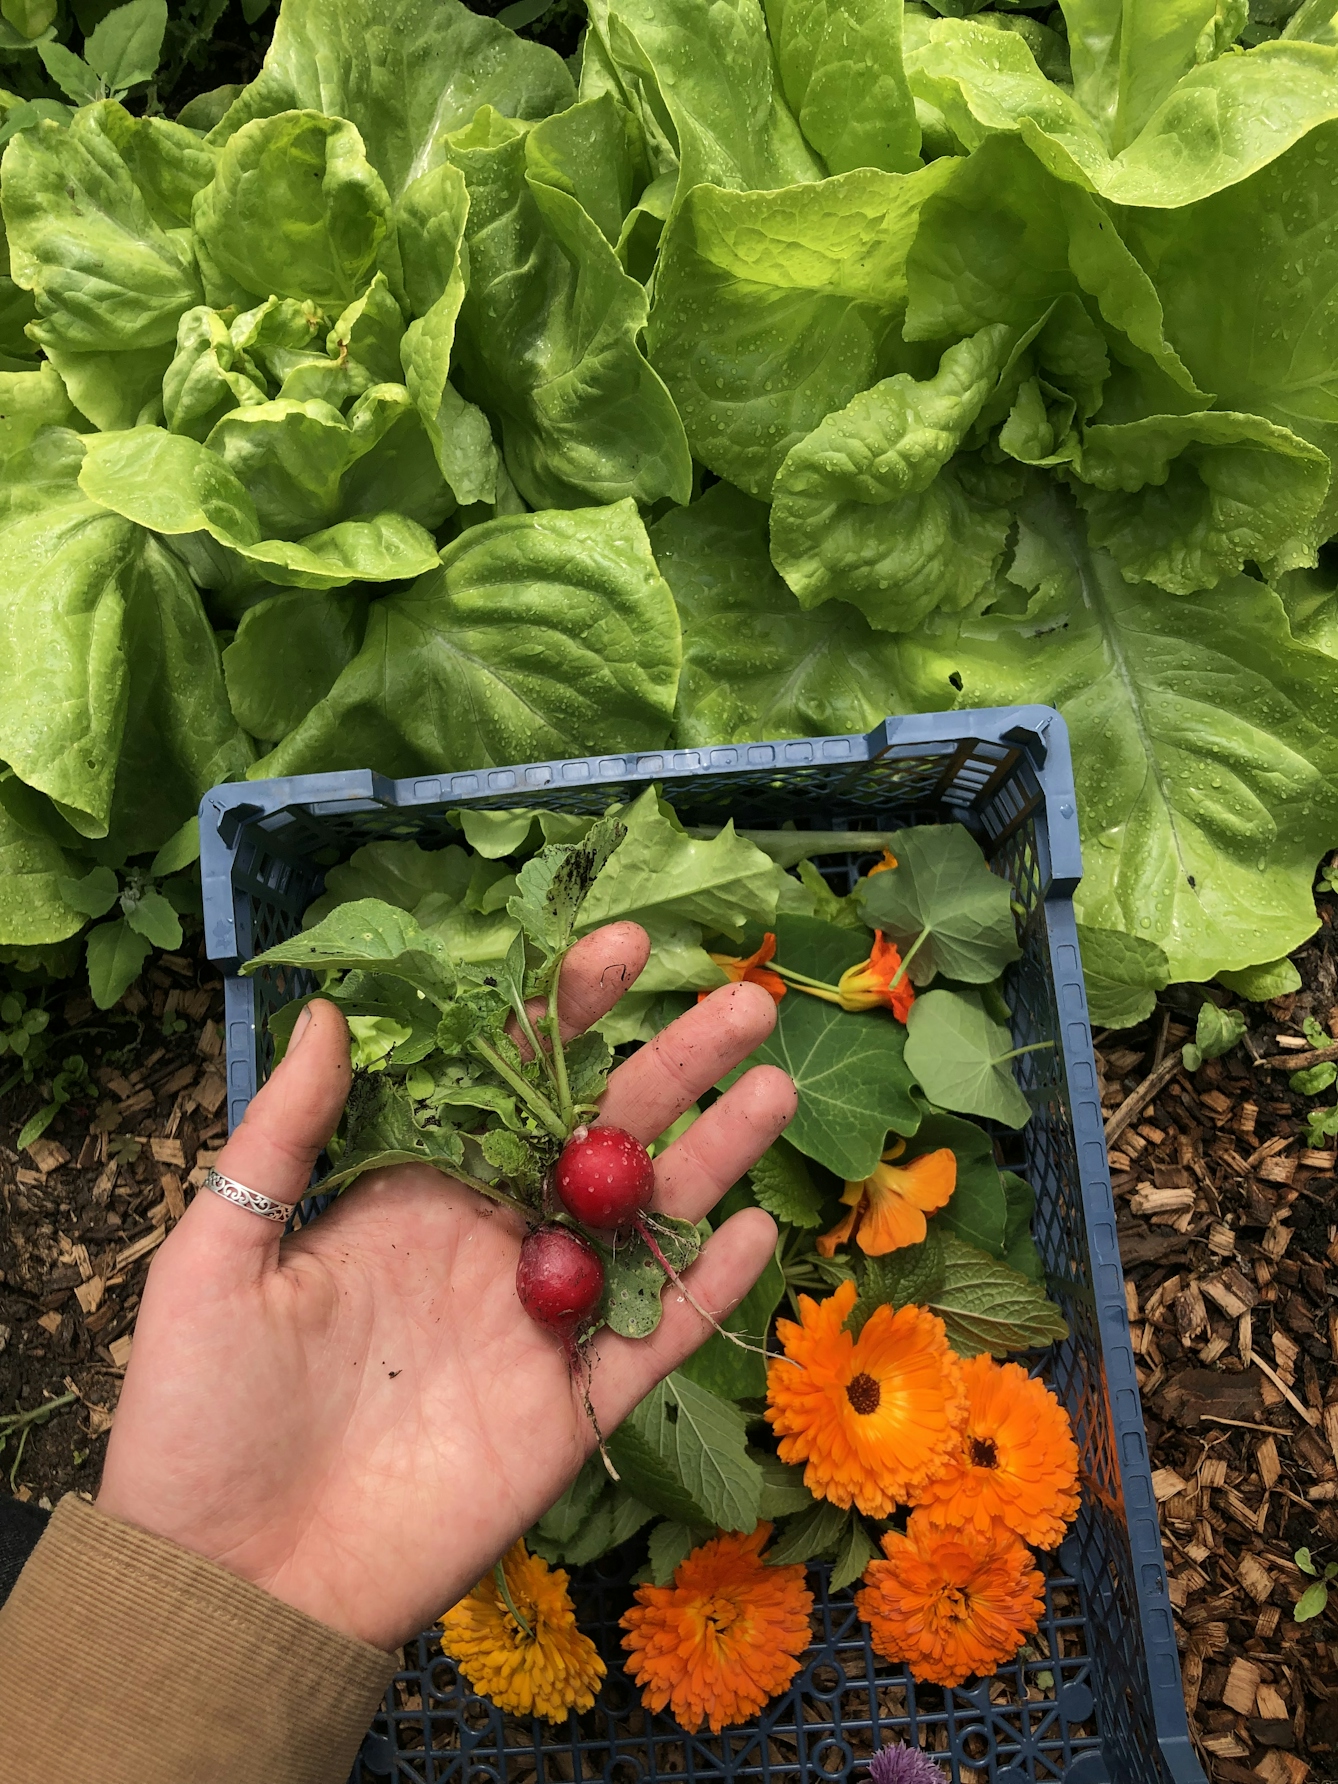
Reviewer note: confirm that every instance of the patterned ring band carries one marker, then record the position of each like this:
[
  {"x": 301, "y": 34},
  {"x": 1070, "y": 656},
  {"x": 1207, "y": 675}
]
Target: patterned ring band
[{"x": 250, "y": 1199}]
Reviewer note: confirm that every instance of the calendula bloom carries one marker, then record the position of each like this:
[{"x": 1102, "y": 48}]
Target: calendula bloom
[
  {"x": 1016, "y": 1464},
  {"x": 724, "y": 1638},
  {"x": 541, "y": 1665},
  {"x": 872, "y": 1418},
  {"x": 887, "y": 1209},
  {"x": 752, "y": 970},
  {"x": 950, "y": 1603}
]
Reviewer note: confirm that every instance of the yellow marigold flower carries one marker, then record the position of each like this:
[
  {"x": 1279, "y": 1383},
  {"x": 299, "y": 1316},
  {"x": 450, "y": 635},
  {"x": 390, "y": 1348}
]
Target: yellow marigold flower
[
  {"x": 951, "y": 1604},
  {"x": 546, "y": 1668},
  {"x": 724, "y": 1638},
  {"x": 1016, "y": 1464},
  {"x": 873, "y": 1417},
  {"x": 887, "y": 1209}
]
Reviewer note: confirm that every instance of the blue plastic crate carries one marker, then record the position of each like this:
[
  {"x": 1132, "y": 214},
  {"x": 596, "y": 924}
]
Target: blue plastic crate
[{"x": 1099, "y": 1700}]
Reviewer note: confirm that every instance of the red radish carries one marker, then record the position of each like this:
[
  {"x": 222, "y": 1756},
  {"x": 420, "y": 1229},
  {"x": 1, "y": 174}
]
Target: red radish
[
  {"x": 605, "y": 1178},
  {"x": 559, "y": 1280}
]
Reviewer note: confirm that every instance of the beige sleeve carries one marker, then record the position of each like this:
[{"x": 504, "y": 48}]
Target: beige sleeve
[{"x": 127, "y": 1660}]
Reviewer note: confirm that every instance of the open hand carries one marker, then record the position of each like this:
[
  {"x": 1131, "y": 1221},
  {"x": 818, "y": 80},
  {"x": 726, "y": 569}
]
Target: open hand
[{"x": 360, "y": 1418}]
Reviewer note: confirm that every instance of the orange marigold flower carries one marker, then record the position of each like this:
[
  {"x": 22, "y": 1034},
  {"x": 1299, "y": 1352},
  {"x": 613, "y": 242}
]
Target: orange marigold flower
[
  {"x": 873, "y": 1417},
  {"x": 887, "y": 1209},
  {"x": 950, "y": 1604},
  {"x": 1016, "y": 1464},
  {"x": 724, "y": 1638},
  {"x": 753, "y": 969},
  {"x": 545, "y": 1667},
  {"x": 869, "y": 984}
]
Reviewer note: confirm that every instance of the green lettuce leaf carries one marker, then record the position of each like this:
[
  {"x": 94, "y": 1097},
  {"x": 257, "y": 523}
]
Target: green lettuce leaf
[
  {"x": 1123, "y": 973},
  {"x": 1202, "y": 742},
  {"x": 209, "y": 376},
  {"x": 1127, "y": 55},
  {"x": 548, "y": 329},
  {"x": 288, "y": 653},
  {"x": 755, "y": 664},
  {"x": 1219, "y": 124},
  {"x": 29, "y": 401},
  {"x": 295, "y": 210},
  {"x": 33, "y": 910},
  {"x": 404, "y": 73},
  {"x": 865, "y": 510},
  {"x": 539, "y": 635},
  {"x": 774, "y": 308},
  {"x": 841, "y": 68}
]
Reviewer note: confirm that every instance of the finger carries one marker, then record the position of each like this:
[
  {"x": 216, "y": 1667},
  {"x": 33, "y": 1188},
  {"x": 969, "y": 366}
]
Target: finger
[
  {"x": 628, "y": 1368},
  {"x": 286, "y": 1124},
  {"x": 693, "y": 1173},
  {"x": 594, "y": 975},
  {"x": 668, "y": 1074}
]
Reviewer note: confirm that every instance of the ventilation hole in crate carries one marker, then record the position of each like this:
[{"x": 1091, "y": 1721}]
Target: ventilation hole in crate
[
  {"x": 476, "y": 1714},
  {"x": 825, "y": 1680}
]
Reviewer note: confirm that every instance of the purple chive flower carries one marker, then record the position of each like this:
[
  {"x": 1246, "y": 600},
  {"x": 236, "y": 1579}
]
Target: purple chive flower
[{"x": 905, "y": 1765}]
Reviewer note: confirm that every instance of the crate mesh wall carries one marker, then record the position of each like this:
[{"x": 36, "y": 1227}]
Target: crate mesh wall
[{"x": 1081, "y": 1704}]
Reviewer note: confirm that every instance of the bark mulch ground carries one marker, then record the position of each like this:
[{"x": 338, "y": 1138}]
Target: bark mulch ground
[{"x": 1228, "y": 1231}]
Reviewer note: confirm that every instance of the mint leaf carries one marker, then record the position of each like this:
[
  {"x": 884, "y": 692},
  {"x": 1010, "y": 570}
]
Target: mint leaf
[
  {"x": 911, "y": 1276},
  {"x": 854, "y": 1552},
  {"x": 988, "y": 1307},
  {"x": 812, "y": 1533},
  {"x": 725, "y": 1368},
  {"x": 682, "y": 1451},
  {"x": 670, "y": 1543},
  {"x": 783, "y": 1489},
  {"x": 782, "y": 1185}
]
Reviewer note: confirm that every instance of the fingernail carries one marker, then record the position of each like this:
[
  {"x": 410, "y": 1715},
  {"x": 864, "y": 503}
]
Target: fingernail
[{"x": 300, "y": 1028}]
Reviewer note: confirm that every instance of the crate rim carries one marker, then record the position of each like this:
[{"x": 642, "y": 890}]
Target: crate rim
[{"x": 1038, "y": 731}]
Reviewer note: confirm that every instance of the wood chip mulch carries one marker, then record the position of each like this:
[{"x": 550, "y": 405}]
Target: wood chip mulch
[{"x": 1228, "y": 1229}]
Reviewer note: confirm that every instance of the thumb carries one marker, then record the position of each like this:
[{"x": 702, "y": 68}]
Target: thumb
[{"x": 285, "y": 1126}]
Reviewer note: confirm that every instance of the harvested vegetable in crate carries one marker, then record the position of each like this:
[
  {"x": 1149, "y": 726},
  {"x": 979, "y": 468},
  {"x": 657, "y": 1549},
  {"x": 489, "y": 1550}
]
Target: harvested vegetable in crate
[{"x": 904, "y": 1253}]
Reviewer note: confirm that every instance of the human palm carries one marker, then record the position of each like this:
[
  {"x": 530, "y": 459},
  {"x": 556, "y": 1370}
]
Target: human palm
[{"x": 362, "y": 1419}]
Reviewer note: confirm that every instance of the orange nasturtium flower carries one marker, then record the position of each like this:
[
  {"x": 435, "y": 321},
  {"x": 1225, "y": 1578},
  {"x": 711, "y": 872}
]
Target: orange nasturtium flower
[
  {"x": 724, "y": 1638},
  {"x": 888, "y": 862},
  {"x": 950, "y": 1604},
  {"x": 887, "y": 1209},
  {"x": 1016, "y": 1464},
  {"x": 752, "y": 970},
  {"x": 540, "y": 1665},
  {"x": 874, "y": 1417},
  {"x": 865, "y": 985}
]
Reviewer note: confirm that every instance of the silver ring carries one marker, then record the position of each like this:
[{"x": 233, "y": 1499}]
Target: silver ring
[{"x": 250, "y": 1199}]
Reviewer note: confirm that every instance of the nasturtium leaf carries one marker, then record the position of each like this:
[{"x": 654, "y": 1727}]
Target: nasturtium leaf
[
  {"x": 962, "y": 1057},
  {"x": 1020, "y": 1251},
  {"x": 33, "y": 911},
  {"x": 1123, "y": 974},
  {"x": 819, "y": 949},
  {"x": 1202, "y": 742},
  {"x": 539, "y": 636},
  {"x": 82, "y": 238},
  {"x": 659, "y": 872},
  {"x": 942, "y": 900},
  {"x": 116, "y": 952},
  {"x": 782, "y": 1185},
  {"x": 295, "y": 209},
  {"x": 841, "y": 68},
  {"x": 724, "y": 1367},
  {"x": 755, "y": 664},
  {"x": 682, "y": 1451},
  {"x": 1258, "y": 984},
  {"x": 853, "y": 1083},
  {"x": 866, "y": 509},
  {"x": 548, "y": 331},
  {"x": 987, "y": 1306},
  {"x": 404, "y": 73},
  {"x": 772, "y": 309},
  {"x": 977, "y": 1210},
  {"x": 1186, "y": 500}
]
